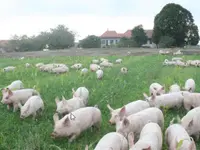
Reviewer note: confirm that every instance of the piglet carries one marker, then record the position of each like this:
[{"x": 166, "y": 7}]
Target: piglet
[
  {"x": 150, "y": 138},
  {"x": 127, "y": 110},
  {"x": 174, "y": 88},
  {"x": 16, "y": 85},
  {"x": 71, "y": 125},
  {"x": 135, "y": 122},
  {"x": 67, "y": 106},
  {"x": 189, "y": 85},
  {"x": 112, "y": 141},
  {"x": 33, "y": 105},
  {"x": 191, "y": 100},
  {"x": 94, "y": 67},
  {"x": 99, "y": 74},
  {"x": 174, "y": 134},
  {"x": 157, "y": 89},
  {"x": 81, "y": 92}
]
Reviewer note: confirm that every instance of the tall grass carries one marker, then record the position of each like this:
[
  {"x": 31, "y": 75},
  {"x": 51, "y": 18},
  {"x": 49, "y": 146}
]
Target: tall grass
[{"x": 115, "y": 88}]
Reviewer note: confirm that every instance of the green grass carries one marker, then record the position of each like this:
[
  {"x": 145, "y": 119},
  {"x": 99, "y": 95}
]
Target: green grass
[{"x": 115, "y": 89}]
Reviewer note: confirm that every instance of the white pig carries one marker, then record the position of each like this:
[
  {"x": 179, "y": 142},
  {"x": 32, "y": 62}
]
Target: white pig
[
  {"x": 127, "y": 110},
  {"x": 174, "y": 134},
  {"x": 71, "y": 125},
  {"x": 118, "y": 61},
  {"x": 174, "y": 88},
  {"x": 170, "y": 100},
  {"x": 135, "y": 122},
  {"x": 38, "y": 65},
  {"x": 33, "y": 105},
  {"x": 112, "y": 141},
  {"x": 81, "y": 92},
  {"x": 191, "y": 100},
  {"x": 95, "y": 61},
  {"x": 191, "y": 122},
  {"x": 94, "y": 67},
  {"x": 16, "y": 85},
  {"x": 99, "y": 74},
  {"x": 156, "y": 88},
  {"x": 189, "y": 85},
  {"x": 150, "y": 138},
  {"x": 27, "y": 65},
  {"x": 84, "y": 71},
  {"x": 77, "y": 66},
  {"x": 9, "y": 68},
  {"x": 16, "y": 97},
  {"x": 67, "y": 106},
  {"x": 124, "y": 70}
]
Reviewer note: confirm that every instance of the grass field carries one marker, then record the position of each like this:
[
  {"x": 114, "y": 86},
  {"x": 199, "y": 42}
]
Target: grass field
[{"x": 115, "y": 89}]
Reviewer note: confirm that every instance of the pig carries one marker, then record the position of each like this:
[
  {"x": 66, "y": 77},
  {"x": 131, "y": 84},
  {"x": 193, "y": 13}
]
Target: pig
[
  {"x": 174, "y": 88},
  {"x": 83, "y": 93},
  {"x": 135, "y": 122},
  {"x": 38, "y": 65},
  {"x": 59, "y": 70},
  {"x": 84, "y": 71},
  {"x": 112, "y": 141},
  {"x": 170, "y": 100},
  {"x": 150, "y": 138},
  {"x": 106, "y": 64},
  {"x": 189, "y": 85},
  {"x": 17, "y": 96},
  {"x": 77, "y": 66},
  {"x": 191, "y": 100},
  {"x": 191, "y": 122},
  {"x": 177, "y": 58},
  {"x": 156, "y": 88},
  {"x": 67, "y": 106},
  {"x": 103, "y": 60},
  {"x": 99, "y": 74},
  {"x": 95, "y": 61},
  {"x": 118, "y": 61},
  {"x": 174, "y": 134},
  {"x": 9, "y": 68},
  {"x": 94, "y": 67},
  {"x": 124, "y": 70},
  {"x": 27, "y": 65},
  {"x": 33, "y": 105},
  {"x": 83, "y": 118},
  {"x": 127, "y": 110},
  {"x": 16, "y": 85}
]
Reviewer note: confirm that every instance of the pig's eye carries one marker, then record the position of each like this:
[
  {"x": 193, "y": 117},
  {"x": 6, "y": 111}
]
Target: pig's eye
[{"x": 7, "y": 97}]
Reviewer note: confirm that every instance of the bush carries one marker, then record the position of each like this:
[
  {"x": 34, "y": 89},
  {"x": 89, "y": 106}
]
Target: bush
[{"x": 166, "y": 42}]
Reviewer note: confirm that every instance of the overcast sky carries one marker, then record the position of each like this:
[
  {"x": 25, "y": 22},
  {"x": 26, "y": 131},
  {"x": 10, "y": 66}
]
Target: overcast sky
[{"x": 86, "y": 17}]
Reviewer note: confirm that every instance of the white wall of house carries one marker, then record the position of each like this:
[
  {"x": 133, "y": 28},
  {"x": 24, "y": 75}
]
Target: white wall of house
[{"x": 109, "y": 41}]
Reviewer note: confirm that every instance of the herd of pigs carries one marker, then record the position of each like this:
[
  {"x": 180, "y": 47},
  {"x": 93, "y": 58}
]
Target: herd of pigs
[{"x": 139, "y": 124}]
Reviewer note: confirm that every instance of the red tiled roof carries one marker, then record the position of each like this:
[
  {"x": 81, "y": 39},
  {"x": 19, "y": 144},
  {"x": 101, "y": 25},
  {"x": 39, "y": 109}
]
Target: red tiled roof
[
  {"x": 4, "y": 42},
  {"x": 128, "y": 34}
]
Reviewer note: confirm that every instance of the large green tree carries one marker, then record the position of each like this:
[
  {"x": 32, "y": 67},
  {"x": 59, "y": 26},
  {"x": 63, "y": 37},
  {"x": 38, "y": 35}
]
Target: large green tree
[
  {"x": 91, "y": 41},
  {"x": 176, "y": 22},
  {"x": 139, "y": 36}
]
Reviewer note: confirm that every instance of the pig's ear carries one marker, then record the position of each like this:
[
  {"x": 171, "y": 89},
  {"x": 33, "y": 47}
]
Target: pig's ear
[
  {"x": 10, "y": 93},
  {"x": 148, "y": 148},
  {"x": 66, "y": 121},
  {"x": 126, "y": 122},
  {"x": 122, "y": 112},
  {"x": 57, "y": 100},
  {"x": 190, "y": 123},
  {"x": 109, "y": 107},
  {"x": 145, "y": 95},
  {"x": 55, "y": 117},
  {"x": 130, "y": 139}
]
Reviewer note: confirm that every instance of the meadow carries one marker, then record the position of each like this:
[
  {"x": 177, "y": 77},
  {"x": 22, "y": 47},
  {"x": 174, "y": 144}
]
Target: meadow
[{"x": 115, "y": 88}]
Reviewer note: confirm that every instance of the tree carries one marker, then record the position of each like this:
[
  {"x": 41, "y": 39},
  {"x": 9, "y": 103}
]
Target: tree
[
  {"x": 193, "y": 35},
  {"x": 173, "y": 21},
  {"x": 139, "y": 36},
  {"x": 166, "y": 42},
  {"x": 126, "y": 42},
  {"x": 91, "y": 41}
]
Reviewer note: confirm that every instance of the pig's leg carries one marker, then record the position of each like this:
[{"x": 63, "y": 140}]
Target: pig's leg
[
  {"x": 34, "y": 115},
  {"x": 73, "y": 137},
  {"x": 15, "y": 107}
]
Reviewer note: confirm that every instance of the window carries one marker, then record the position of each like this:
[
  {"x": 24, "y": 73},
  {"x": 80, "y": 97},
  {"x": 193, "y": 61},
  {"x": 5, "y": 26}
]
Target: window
[
  {"x": 103, "y": 41},
  {"x": 116, "y": 41},
  {"x": 150, "y": 41},
  {"x": 111, "y": 41}
]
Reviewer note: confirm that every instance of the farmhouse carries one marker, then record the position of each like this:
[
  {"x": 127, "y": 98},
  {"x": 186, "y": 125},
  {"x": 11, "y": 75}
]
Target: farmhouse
[{"x": 112, "y": 37}]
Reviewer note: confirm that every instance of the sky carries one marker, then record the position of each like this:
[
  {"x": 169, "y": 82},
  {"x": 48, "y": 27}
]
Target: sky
[{"x": 85, "y": 17}]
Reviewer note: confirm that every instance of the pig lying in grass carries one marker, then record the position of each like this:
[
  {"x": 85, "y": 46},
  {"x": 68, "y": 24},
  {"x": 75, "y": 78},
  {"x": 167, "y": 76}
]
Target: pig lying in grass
[
  {"x": 67, "y": 106},
  {"x": 191, "y": 100},
  {"x": 112, "y": 141},
  {"x": 99, "y": 74},
  {"x": 170, "y": 100},
  {"x": 174, "y": 88},
  {"x": 150, "y": 138},
  {"x": 157, "y": 89},
  {"x": 81, "y": 92},
  {"x": 15, "y": 97},
  {"x": 127, "y": 110},
  {"x": 189, "y": 85},
  {"x": 94, "y": 67},
  {"x": 191, "y": 122},
  {"x": 84, "y": 118},
  {"x": 33, "y": 105},
  {"x": 9, "y": 68},
  {"x": 135, "y": 122},
  {"x": 174, "y": 134}
]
